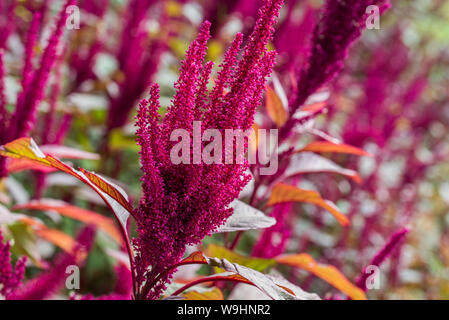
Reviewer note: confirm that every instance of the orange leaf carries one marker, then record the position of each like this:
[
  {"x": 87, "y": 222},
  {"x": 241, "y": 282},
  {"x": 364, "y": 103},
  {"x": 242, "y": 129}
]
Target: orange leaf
[
  {"x": 315, "y": 107},
  {"x": 326, "y": 146},
  {"x": 328, "y": 273},
  {"x": 283, "y": 193},
  {"x": 275, "y": 108},
  {"x": 58, "y": 238},
  {"x": 65, "y": 209},
  {"x": 197, "y": 257},
  {"x": 16, "y": 165}
]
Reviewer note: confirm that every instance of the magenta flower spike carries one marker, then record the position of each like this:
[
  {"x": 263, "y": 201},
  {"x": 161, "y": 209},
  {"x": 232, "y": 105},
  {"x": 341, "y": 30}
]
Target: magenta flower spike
[
  {"x": 24, "y": 116},
  {"x": 183, "y": 203},
  {"x": 48, "y": 283},
  {"x": 10, "y": 277},
  {"x": 383, "y": 254},
  {"x": 340, "y": 25}
]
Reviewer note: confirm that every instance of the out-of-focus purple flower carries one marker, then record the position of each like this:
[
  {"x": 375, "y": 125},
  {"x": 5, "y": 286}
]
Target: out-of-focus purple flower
[
  {"x": 49, "y": 282},
  {"x": 340, "y": 25},
  {"x": 293, "y": 52},
  {"x": 7, "y": 21},
  {"x": 138, "y": 59},
  {"x": 25, "y": 113},
  {"x": 9, "y": 278},
  {"x": 34, "y": 82},
  {"x": 184, "y": 203}
]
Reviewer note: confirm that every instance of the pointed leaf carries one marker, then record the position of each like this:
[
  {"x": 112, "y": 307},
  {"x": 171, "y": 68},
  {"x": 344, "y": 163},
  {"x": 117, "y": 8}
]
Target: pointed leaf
[
  {"x": 258, "y": 264},
  {"x": 83, "y": 215},
  {"x": 112, "y": 195},
  {"x": 283, "y": 193},
  {"x": 245, "y": 217},
  {"x": 326, "y": 146},
  {"x": 308, "y": 162},
  {"x": 275, "y": 288},
  {"x": 275, "y": 108},
  {"x": 64, "y": 152},
  {"x": 271, "y": 286},
  {"x": 328, "y": 273},
  {"x": 17, "y": 165}
]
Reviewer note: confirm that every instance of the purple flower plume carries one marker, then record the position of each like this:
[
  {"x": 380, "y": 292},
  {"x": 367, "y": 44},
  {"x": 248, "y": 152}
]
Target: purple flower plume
[
  {"x": 183, "y": 203},
  {"x": 138, "y": 59},
  {"x": 7, "y": 23},
  {"x": 340, "y": 25},
  {"x": 10, "y": 277},
  {"x": 35, "y": 81},
  {"x": 51, "y": 281}
]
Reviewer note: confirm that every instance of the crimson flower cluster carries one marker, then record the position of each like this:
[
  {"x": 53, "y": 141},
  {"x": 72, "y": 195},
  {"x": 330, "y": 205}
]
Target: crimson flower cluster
[{"x": 184, "y": 203}]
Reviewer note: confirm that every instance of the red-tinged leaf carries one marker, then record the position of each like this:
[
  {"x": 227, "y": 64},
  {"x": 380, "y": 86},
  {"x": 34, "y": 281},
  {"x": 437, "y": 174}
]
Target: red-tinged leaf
[
  {"x": 83, "y": 215},
  {"x": 275, "y": 288},
  {"x": 108, "y": 187},
  {"x": 258, "y": 264},
  {"x": 245, "y": 217},
  {"x": 64, "y": 152},
  {"x": 17, "y": 165},
  {"x": 328, "y": 273},
  {"x": 24, "y": 148},
  {"x": 275, "y": 108},
  {"x": 308, "y": 162},
  {"x": 283, "y": 193},
  {"x": 207, "y": 294},
  {"x": 112, "y": 195},
  {"x": 314, "y": 107},
  {"x": 326, "y": 146},
  {"x": 195, "y": 257}
]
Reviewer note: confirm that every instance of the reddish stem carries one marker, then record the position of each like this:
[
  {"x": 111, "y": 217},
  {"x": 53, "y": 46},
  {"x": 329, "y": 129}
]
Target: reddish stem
[{"x": 209, "y": 279}]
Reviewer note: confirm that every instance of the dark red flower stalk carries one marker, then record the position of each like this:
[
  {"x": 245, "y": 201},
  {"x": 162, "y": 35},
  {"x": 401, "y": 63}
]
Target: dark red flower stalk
[
  {"x": 10, "y": 277},
  {"x": 293, "y": 53},
  {"x": 7, "y": 21},
  {"x": 34, "y": 82},
  {"x": 340, "y": 25},
  {"x": 382, "y": 255},
  {"x": 4, "y": 114},
  {"x": 25, "y": 114},
  {"x": 183, "y": 203},
  {"x": 51, "y": 281},
  {"x": 82, "y": 58},
  {"x": 138, "y": 60}
]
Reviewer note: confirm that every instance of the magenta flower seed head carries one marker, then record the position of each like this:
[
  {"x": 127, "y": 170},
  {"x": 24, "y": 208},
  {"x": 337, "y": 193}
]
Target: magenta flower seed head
[
  {"x": 10, "y": 277},
  {"x": 183, "y": 203}
]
